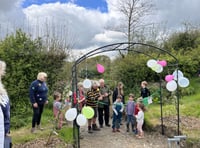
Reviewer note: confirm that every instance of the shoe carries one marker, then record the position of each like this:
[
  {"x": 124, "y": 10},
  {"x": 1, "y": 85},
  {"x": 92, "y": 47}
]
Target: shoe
[
  {"x": 101, "y": 126},
  {"x": 117, "y": 130},
  {"x": 108, "y": 125},
  {"x": 95, "y": 128},
  {"x": 33, "y": 130},
  {"x": 90, "y": 129},
  {"x": 113, "y": 130},
  {"x": 121, "y": 123},
  {"x": 127, "y": 130},
  {"x": 140, "y": 137},
  {"x": 40, "y": 128}
]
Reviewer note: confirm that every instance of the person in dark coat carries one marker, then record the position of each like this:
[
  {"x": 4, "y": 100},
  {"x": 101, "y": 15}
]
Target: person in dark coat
[
  {"x": 104, "y": 104},
  {"x": 119, "y": 91},
  {"x": 38, "y": 98},
  {"x": 144, "y": 90}
]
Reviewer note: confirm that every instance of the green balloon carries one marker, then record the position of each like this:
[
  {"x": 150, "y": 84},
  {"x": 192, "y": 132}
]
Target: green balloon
[{"x": 88, "y": 112}]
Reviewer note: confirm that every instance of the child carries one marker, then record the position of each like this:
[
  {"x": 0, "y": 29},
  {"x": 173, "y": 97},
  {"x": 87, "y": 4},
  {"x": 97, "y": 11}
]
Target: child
[
  {"x": 130, "y": 110},
  {"x": 135, "y": 114},
  {"x": 57, "y": 106},
  {"x": 144, "y": 90},
  {"x": 81, "y": 96},
  {"x": 140, "y": 120},
  {"x": 118, "y": 108}
]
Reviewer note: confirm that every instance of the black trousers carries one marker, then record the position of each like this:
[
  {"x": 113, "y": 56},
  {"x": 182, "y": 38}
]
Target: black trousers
[
  {"x": 103, "y": 115},
  {"x": 37, "y": 114}
]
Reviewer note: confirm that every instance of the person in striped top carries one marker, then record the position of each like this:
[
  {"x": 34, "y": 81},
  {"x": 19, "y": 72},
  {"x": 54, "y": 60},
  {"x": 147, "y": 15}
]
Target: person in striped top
[{"x": 92, "y": 98}]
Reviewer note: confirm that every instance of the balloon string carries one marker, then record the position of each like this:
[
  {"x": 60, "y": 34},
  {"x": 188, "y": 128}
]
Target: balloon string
[{"x": 86, "y": 68}]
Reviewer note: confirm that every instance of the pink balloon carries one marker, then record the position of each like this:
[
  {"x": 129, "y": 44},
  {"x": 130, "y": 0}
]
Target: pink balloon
[
  {"x": 162, "y": 63},
  {"x": 169, "y": 78},
  {"x": 100, "y": 68}
]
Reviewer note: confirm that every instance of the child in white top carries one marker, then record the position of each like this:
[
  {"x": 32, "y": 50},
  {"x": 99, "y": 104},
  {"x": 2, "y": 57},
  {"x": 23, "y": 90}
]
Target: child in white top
[{"x": 140, "y": 120}]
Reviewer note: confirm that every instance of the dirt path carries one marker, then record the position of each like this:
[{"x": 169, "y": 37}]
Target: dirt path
[{"x": 107, "y": 139}]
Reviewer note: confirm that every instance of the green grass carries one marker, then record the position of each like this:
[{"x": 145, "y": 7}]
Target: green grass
[
  {"x": 23, "y": 135},
  {"x": 189, "y": 107}
]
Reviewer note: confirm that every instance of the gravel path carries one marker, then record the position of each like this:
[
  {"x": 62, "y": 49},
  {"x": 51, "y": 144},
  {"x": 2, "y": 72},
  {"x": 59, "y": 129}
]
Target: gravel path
[{"x": 107, "y": 139}]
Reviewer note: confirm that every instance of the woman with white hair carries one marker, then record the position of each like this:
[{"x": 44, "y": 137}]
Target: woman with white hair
[
  {"x": 38, "y": 98},
  {"x": 4, "y": 110}
]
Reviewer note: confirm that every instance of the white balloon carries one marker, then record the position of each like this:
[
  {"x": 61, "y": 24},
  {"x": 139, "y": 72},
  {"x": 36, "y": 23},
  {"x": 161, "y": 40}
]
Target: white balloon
[
  {"x": 177, "y": 73},
  {"x": 183, "y": 82},
  {"x": 70, "y": 93},
  {"x": 81, "y": 120},
  {"x": 87, "y": 83},
  {"x": 159, "y": 68},
  {"x": 151, "y": 63},
  {"x": 171, "y": 85},
  {"x": 71, "y": 114}
]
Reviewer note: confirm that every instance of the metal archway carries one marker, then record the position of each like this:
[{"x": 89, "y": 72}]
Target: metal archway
[{"x": 125, "y": 47}]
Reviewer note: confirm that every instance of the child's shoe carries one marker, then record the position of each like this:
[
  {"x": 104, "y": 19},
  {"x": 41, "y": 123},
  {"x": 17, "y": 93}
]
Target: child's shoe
[
  {"x": 117, "y": 130},
  {"x": 90, "y": 129}
]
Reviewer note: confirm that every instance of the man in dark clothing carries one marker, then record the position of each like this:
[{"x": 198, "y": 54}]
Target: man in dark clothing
[{"x": 104, "y": 104}]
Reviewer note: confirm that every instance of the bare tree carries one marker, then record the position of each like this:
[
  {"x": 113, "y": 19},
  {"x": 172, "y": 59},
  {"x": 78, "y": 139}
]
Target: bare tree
[{"x": 134, "y": 12}]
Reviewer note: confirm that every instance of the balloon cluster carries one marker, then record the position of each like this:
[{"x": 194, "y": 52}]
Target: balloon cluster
[
  {"x": 156, "y": 66},
  {"x": 172, "y": 80},
  {"x": 81, "y": 119}
]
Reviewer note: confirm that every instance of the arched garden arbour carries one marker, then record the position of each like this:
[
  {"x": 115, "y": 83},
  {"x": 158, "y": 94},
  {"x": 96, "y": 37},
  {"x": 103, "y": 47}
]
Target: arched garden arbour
[{"x": 125, "y": 47}]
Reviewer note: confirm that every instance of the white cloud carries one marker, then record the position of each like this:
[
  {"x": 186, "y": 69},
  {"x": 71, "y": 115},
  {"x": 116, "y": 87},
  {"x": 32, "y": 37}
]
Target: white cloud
[
  {"x": 109, "y": 36},
  {"x": 86, "y": 29},
  {"x": 175, "y": 12}
]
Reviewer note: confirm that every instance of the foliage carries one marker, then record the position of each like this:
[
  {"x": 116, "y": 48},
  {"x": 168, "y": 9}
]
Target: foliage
[
  {"x": 186, "y": 40},
  {"x": 87, "y": 69},
  {"x": 66, "y": 134},
  {"x": 25, "y": 58}
]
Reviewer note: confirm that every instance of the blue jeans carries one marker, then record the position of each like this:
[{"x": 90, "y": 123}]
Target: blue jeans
[
  {"x": 116, "y": 120},
  {"x": 130, "y": 119}
]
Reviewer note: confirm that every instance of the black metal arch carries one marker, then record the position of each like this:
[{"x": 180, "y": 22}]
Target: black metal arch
[{"x": 126, "y": 47}]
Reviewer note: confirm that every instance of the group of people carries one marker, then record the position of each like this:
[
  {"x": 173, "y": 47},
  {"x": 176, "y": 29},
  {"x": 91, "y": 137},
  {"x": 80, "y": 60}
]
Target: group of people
[{"x": 98, "y": 98}]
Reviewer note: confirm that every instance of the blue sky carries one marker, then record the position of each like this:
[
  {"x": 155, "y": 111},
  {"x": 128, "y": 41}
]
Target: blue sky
[{"x": 89, "y": 4}]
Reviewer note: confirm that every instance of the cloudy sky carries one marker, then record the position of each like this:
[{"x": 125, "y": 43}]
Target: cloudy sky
[{"x": 86, "y": 23}]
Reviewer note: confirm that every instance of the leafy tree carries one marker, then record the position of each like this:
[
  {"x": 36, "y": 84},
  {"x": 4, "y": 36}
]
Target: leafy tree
[{"x": 25, "y": 58}]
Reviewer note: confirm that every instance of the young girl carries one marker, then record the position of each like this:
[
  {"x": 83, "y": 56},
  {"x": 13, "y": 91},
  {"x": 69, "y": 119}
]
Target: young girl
[
  {"x": 140, "y": 120},
  {"x": 81, "y": 96},
  {"x": 57, "y": 107}
]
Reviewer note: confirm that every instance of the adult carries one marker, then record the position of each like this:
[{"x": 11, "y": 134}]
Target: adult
[
  {"x": 4, "y": 110},
  {"x": 92, "y": 98},
  {"x": 103, "y": 105},
  {"x": 38, "y": 98},
  {"x": 119, "y": 91}
]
